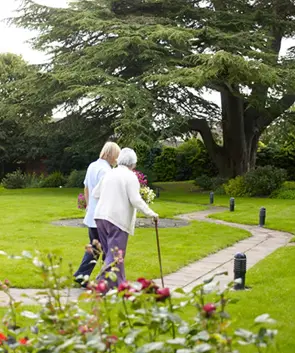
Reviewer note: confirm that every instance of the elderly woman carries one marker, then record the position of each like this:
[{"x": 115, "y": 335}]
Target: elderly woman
[
  {"x": 95, "y": 172},
  {"x": 115, "y": 214}
]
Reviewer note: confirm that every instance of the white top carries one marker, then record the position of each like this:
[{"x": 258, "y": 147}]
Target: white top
[
  {"x": 119, "y": 198},
  {"x": 95, "y": 172}
]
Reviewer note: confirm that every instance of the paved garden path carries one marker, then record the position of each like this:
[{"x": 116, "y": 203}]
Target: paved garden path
[{"x": 262, "y": 243}]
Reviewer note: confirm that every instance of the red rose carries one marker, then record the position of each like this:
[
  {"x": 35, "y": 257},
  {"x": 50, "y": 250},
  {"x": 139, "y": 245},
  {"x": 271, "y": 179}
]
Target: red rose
[
  {"x": 209, "y": 309},
  {"x": 23, "y": 341},
  {"x": 163, "y": 293},
  {"x": 2, "y": 338},
  {"x": 144, "y": 282},
  {"x": 101, "y": 287},
  {"x": 123, "y": 287}
]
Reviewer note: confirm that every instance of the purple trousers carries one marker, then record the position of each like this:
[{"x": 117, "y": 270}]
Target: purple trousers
[{"x": 111, "y": 237}]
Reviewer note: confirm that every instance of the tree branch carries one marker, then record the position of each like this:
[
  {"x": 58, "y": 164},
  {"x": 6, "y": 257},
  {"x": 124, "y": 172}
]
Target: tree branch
[
  {"x": 201, "y": 126},
  {"x": 274, "y": 111}
]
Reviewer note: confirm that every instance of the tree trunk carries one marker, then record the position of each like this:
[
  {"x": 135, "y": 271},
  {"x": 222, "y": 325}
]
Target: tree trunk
[{"x": 240, "y": 137}]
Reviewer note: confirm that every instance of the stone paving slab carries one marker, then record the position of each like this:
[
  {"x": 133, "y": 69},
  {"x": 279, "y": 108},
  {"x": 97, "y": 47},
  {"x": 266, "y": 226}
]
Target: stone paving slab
[{"x": 261, "y": 244}]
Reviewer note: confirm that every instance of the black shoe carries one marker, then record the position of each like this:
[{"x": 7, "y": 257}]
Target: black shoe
[{"x": 81, "y": 282}]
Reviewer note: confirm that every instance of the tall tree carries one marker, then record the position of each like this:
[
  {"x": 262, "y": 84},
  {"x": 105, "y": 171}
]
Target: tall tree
[
  {"x": 146, "y": 63},
  {"x": 18, "y": 123}
]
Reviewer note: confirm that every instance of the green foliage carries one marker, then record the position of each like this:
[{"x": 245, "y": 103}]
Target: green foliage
[
  {"x": 236, "y": 187},
  {"x": 165, "y": 164},
  {"x": 279, "y": 156},
  {"x": 15, "y": 180},
  {"x": 54, "y": 180},
  {"x": 185, "y": 162},
  {"x": 208, "y": 183},
  {"x": 126, "y": 320},
  {"x": 290, "y": 185},
  {"x": 287, "y": 191},
  {"x": 264, "y": 180},
  {"x": 20, "y": 123},
  {"x": 132, "y": 67},
  {"x": 204, "y": 182},
  {"x": 34, "y": 181},
  {"x": 76, "y": 179}
]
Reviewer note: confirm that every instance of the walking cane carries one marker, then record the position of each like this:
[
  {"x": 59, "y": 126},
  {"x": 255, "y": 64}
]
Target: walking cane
[{"x": 159, "y": 252}]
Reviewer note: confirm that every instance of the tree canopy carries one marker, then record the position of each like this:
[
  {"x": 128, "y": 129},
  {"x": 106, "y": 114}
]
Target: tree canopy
[{"x": 140, "y": 68}]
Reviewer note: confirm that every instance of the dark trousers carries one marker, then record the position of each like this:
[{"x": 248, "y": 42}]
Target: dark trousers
[
  {"x": 87, "y": 266},
  {"x": 112, "y": 237}
]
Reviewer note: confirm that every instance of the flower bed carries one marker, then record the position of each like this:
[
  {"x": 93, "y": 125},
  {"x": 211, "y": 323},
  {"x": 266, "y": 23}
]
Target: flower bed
[{"x": 137, "y": 317}]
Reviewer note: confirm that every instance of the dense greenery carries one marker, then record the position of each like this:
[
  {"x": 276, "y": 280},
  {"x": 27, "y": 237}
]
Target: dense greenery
[
  {"x": 139, "y": 68},
  {"x": 19, "y": 122}
]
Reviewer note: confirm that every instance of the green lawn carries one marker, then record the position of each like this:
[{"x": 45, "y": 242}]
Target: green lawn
[
  {"x": 273, "y": 287},
  {"x": 280, "y": 213},
  {"x": 25, "y": 225}
]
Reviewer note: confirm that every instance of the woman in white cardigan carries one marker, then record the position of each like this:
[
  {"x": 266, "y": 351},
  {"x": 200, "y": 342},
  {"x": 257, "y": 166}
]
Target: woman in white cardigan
[{"x": 115, "y": 214}]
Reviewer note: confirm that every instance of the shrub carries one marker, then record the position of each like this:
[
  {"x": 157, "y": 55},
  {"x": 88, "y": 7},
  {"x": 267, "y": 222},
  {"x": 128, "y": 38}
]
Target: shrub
[
  {"x": 15, "y": 180},
  {"x": 287, "y": 191},
  {"x": 289, "y": 185},
  {"x": 76, "y": 179},
  {"x": 262, "y": 181},
  {"x": 284, "y": 194},
  {"x": 34, "y": 181},
  {"x": 54, "y": 180},
  {"x": 204, "y": 182},
  {"x": 137, "y": 317},
  {"x": 165, "y": 165},
  {"x": 218, "y": 182},
  {"x": 236, "y": 187}
]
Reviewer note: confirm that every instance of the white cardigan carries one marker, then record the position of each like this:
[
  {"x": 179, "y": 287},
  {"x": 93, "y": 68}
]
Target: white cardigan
[{"x": 118, "y": 199}]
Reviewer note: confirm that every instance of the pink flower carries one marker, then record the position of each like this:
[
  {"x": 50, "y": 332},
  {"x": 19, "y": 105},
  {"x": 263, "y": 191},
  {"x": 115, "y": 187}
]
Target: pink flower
[
  {"x": 101, "y": 287},
  {"x": 144, "y": 282},
  {"x": 209, "y": 309},
  {"x": 163, "y": 294}
]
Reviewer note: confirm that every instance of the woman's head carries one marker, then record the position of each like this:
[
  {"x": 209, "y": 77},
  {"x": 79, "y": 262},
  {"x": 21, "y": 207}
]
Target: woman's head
[
  {"x": 110, "y": 153},
  {"x": 128, "y": 158}
]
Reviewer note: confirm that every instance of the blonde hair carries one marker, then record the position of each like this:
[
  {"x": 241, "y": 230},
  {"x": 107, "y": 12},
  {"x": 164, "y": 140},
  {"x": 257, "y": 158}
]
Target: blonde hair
[{"x": 110, "y": 151}]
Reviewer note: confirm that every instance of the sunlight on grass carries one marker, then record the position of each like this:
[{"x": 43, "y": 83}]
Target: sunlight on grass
[{"x": 25, "y": 224}]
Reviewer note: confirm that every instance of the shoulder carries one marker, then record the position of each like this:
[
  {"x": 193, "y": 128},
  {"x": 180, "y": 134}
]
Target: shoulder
[{"x": 132, "y": 177}]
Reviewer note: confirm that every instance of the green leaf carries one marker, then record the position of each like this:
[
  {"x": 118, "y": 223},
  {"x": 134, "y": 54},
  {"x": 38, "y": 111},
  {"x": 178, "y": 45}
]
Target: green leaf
[
  {"x": 29, "y": 315},
  {"x": 151, "y": 347}
]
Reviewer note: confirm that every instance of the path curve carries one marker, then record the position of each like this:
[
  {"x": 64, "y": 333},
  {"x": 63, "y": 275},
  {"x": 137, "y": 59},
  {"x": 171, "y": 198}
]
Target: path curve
[{"x": 262, "y": 243}]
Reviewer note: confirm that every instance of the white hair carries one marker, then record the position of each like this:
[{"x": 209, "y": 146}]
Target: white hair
[{"x": 127, "y": 157}]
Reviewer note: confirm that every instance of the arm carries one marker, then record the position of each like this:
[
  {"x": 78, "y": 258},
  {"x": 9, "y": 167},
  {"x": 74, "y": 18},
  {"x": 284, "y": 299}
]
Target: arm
[
  {"x": 96, "y": 190},
  {"x": 136, "y": 200},
  {"x": 86, "y": 194}
]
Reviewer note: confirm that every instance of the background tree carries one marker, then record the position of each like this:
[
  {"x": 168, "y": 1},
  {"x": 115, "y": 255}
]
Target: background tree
[
  {"x": 141, "y": 67},
  {"x": 19, "y": 124}
]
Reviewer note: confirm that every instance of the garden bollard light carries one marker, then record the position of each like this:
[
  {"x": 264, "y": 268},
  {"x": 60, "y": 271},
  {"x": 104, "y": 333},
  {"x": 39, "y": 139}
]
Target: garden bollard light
[
  {"x": 240, "y": 268},
  {"x": 211, "y": 198},
  {"x": 232, "y": 204},
  {"x": 157, "y": 193},
  {"x": 262, "y": 216}
]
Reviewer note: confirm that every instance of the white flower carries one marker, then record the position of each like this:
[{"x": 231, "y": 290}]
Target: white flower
[{"x": 147, "y": 194}]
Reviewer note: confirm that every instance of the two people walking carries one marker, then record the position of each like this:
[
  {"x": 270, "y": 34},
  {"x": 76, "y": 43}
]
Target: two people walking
[{"x": 113, "y": 198}]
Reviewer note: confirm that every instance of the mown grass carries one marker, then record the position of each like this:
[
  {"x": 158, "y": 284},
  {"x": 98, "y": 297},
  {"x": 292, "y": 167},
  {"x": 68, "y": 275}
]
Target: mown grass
[
  {"x": 273, "y": 285},
  {"x": 25, "y": 224},
  {"x": 279, "y": 212}
]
